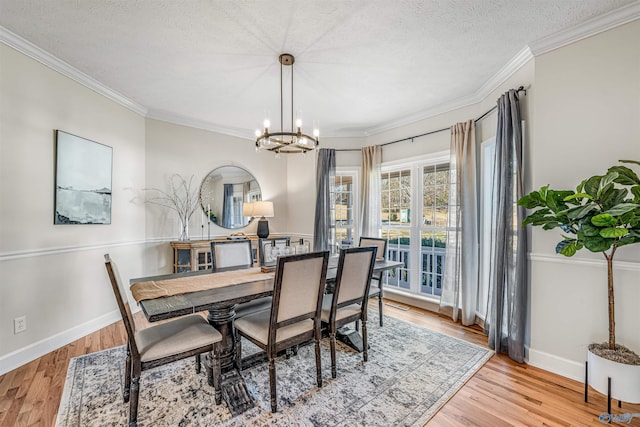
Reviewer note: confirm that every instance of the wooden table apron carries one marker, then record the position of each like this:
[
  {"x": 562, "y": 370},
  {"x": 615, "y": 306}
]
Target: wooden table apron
[{"x": 221, "y": 303}]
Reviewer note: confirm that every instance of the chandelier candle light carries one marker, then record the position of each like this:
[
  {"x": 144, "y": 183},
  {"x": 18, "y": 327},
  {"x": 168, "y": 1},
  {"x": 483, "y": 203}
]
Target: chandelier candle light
[{"x": 286, "y": 142}]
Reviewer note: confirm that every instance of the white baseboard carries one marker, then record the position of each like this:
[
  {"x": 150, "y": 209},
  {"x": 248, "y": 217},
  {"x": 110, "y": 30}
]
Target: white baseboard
[
  {"x": 557, "y": 365},
  {"x": 15, "y": 359}
]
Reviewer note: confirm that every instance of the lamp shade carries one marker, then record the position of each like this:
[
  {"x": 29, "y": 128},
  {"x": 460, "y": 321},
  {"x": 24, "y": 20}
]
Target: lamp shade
[
  {"x": 247, "y": 209},
  {"x": 263, "y": 209}
]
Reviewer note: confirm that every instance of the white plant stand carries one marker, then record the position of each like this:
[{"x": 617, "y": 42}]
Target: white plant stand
[{"x": 617, "y": 380}]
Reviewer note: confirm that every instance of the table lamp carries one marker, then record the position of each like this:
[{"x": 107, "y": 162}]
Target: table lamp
[{"x": 263, "y": 210}]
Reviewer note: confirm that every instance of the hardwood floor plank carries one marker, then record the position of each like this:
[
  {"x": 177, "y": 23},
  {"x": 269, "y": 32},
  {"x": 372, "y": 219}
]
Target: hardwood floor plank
[{"x": 502, "y": 393}]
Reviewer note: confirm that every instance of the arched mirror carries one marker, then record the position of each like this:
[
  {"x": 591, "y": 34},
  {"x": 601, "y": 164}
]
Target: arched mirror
[{"x": 222, "y": 193}]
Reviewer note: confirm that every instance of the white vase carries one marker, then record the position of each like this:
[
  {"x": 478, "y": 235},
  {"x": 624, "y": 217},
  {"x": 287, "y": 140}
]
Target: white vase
[{"x": 625, "y": 379}]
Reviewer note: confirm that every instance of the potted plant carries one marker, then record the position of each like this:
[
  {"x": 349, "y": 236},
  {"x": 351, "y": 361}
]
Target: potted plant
[{"x": 602, "y": 215}]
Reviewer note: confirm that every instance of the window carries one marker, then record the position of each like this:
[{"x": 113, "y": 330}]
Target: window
[
  {"x": 433, "y": 230},
  {"x": 396, "y": 199},
  {"x": 415, "y": 199},
  {"x": 343, "y": 210}
]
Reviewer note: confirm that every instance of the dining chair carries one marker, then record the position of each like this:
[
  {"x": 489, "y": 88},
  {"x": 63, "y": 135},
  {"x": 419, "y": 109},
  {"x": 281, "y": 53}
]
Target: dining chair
[
  {"x": 348, "y": 302},
  {"x": 161, "y": 344},
  {"x": 294, "y": 317},
  {"x": 233, "y": 255},
  {"x": 374, "y": 290}
]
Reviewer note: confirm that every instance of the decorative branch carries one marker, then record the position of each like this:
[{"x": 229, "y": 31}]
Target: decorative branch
[{"x": 180, "y": 197}]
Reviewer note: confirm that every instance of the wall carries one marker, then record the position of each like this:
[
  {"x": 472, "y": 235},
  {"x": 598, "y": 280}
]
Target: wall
[
  {"x": 54, "y": 274},
  {"x": 194, "y": 153},
  {"x": 587, "y": 116}
]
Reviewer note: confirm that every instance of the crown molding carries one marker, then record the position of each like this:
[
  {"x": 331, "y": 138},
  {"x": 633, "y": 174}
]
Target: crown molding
[
  {"x": 517, "y": 62},
  {"x": 593, "y": 26},
  {"x": 31, "y": 50},
  {"x": 164, "y": 116}
]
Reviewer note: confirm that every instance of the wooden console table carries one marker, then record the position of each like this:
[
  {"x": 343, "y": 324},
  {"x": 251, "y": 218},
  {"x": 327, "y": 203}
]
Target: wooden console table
[{"x": 195, "y": 255}]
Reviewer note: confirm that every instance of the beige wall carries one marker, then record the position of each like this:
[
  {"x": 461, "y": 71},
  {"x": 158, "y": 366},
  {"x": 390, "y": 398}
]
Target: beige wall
[
  {"x": 587, "y": 116},
  {"x": 54, "y": 274}
]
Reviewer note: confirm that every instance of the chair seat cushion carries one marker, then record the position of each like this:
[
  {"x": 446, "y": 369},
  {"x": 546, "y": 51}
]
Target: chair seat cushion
[
  {"x": 178, "y": 336},
  {"x": 373, "y": 291},
  {"x": 253, "y": 306},
  {"x": 256, "y": 325},
  {"x": 341, "y": 313}
]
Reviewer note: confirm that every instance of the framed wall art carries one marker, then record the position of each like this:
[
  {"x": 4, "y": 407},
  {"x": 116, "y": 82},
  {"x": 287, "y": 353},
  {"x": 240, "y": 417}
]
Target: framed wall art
[{"x": 82, "y": 180}]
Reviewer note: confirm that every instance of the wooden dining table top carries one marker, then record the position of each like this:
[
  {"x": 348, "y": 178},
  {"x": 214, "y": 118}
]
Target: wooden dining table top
[{"x": 167, "y": 307}]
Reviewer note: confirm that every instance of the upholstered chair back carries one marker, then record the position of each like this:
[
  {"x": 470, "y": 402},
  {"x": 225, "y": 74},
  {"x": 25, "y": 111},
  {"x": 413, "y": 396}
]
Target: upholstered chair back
[{"x": 231, "y": 254}]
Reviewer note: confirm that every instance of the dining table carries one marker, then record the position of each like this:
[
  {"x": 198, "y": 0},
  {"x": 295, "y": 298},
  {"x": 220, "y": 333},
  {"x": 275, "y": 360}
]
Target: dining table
[{"x": 218, "y": 292}]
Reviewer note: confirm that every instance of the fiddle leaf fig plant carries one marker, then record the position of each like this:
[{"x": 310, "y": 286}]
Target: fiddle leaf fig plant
[{"x": 601, "y": 215}]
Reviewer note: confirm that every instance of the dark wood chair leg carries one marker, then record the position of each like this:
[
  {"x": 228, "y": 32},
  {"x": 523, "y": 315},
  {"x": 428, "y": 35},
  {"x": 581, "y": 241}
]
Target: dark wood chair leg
[
  {"x": 332, "y": 343},
  {"x": 209, "y": 368},
  {"x": 318, "y": 363},
  {"x": 272, "y": 383},
  {"x": 238, "y": 352},
  {"x": 127, "y": 376},
  {"x": 380, "y": 306},
  {"x": 133, "y": 402},
  {"x": 216, "y": 372},
  {"x": 198, "y": 364},
  {"x": 365, "y": 353}
]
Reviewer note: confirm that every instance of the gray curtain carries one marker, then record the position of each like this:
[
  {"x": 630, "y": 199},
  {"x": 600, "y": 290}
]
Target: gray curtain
[
  {"x": 460, "y": 278},
  {"x": 370, "y": 192},
  {"x": 507, "y": 306},
  {"x": 325, "y": 178},
  {"x": 227, "y": 205}
]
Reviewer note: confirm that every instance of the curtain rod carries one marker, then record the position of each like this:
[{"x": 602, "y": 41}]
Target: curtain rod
[{"x": 411, "y": 138}]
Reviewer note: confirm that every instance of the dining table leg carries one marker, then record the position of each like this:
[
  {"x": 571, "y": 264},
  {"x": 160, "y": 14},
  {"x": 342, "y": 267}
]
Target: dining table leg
[{"x": 234, "y": 390}]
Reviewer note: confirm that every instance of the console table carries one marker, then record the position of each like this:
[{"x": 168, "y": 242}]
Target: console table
[{"x": 195, "y": 255}]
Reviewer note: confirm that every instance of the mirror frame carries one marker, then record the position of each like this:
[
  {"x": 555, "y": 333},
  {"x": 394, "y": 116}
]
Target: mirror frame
[{"x": 212, "y": 196}]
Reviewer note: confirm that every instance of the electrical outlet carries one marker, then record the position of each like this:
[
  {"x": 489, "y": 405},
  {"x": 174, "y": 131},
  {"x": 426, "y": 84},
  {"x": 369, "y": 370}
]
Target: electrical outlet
[{"x": 19, "y": 324}]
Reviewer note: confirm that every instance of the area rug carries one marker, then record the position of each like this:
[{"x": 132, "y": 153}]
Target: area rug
[{"x": 410, "y": 374}]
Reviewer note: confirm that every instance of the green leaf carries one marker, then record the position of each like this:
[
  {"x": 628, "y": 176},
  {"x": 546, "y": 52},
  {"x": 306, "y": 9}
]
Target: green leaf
[
  {"x": 581, "y": 211},
  {"x": 613, "y": 232},
  {"x": 604, "y": 220},
  {"x": 609, "y": 178},
  {"x": 589, "y": 230},
  {"x": 598, "y": 243},
  {"x": 622, "y": 209},
  {"x": 630, "y": 161},
  {"x": 578, "y": 196},
  {"x": 592, "y": 185},
  {"x": 612, "y": 196},
  {"x": 567, "y": 247},
  {"x": 625, "y": 175}
]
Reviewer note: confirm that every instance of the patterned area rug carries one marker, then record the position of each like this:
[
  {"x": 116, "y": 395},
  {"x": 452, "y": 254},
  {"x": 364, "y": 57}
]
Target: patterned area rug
[{"x": 410, "y": 374}]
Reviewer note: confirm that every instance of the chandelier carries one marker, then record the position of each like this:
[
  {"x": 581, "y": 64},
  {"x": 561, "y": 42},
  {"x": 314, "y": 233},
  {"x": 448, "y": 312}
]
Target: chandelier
[{"x": 286, "y": 142}]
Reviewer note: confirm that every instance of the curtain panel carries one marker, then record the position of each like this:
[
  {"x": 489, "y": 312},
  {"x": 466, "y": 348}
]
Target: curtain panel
[
  {"x": 460, "y": 278},
  {"x": 370, "y": 189},
  {"x": 508, "y": 288},
  {"x": 325, "y": 179},
  {"x": 227, "y": 205}
]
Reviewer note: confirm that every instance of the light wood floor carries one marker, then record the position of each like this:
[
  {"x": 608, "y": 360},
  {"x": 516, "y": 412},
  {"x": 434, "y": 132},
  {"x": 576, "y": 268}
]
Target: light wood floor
[{"x": 502, "y": 393}]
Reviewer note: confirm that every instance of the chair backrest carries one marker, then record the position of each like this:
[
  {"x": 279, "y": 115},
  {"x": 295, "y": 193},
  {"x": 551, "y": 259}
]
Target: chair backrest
[
  {"x": 353, "y": 278},
  {"x": 297, "y": 290},
  {"x": 123, "y": 306},
  {"x": 231, "y": 254},
  {"x": 381, "y": 244}
]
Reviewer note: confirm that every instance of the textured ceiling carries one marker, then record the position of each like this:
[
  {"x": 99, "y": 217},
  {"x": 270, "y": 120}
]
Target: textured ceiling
[{"x": 361, "y": 66}]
